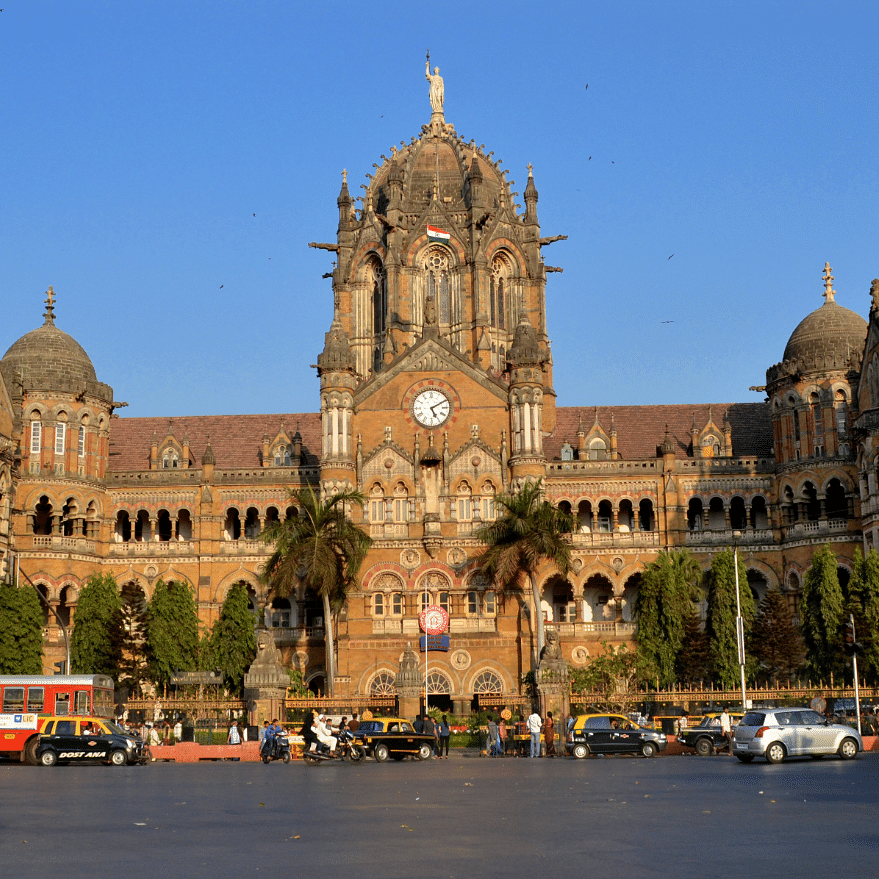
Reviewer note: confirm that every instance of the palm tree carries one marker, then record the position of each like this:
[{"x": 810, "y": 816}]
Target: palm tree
[
  {"x": 528, "y": 530},
  {"x": 323, "y": 546}
]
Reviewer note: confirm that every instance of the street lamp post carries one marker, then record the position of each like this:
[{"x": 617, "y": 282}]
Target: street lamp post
[{"x": 740, "y": 625}]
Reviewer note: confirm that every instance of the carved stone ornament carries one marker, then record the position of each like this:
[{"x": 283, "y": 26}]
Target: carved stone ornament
[
  {"x": 580, "y": 655},
  {"x": 461, "y": 660},
  {"x": 456, "y": 556},
  {"x": 617, "y": 564},
  {"x": 410, "y": 558}
]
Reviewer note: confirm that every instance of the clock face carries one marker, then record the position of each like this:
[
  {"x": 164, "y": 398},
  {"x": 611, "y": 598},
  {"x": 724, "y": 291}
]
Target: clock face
[{"x": 431, "y": 408}]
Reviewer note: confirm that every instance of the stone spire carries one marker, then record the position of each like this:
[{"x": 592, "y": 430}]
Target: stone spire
[
  {"x": 829, "y": 292},
  {"x": 525, "y": 350},
  {"x": 530, "y": 197},
  {"x": 336, "y": 355}
]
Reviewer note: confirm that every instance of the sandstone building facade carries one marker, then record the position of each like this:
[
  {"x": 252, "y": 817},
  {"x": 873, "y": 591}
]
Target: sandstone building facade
[{"x": 435, "y": 394}]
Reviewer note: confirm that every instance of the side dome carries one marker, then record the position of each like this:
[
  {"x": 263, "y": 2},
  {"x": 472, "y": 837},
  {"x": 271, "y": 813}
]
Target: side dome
[
  {"x": 831, "y": 333},
  {"x": 48, "y": 359}
]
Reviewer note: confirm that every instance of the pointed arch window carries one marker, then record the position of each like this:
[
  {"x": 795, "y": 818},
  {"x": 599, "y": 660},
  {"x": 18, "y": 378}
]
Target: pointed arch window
[
  {"x": 840, "y": 406},
  {"x": 499, "y": 292},
  {"x": 438, "y": 283},
  {"x": 379, "y": 289}
]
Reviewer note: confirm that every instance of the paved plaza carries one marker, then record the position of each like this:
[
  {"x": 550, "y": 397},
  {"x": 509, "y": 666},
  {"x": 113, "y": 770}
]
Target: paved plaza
[{"x": 466, "y": 817}]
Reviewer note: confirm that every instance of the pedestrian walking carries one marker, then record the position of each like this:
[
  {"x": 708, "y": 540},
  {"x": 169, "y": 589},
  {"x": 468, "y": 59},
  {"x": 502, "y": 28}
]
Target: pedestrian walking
[
  {"x": 502, "y": 735},
  {"x": 444, "y": 733},
  {"x": 534, "y": 724},
  {"x": 491, "y": 746},
  {"x": 726, "y": 729},
  {"x": 234, "y": 737},
  {"x": 549, "y": 735}
]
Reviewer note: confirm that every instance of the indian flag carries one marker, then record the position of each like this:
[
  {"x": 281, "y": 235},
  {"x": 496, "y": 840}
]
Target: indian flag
[{"x": 435, "y": 234}]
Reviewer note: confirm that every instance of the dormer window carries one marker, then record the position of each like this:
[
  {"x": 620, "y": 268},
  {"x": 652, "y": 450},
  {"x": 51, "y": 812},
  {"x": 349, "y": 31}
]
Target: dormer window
[
  {"x": 567, "y": 452},
  {"x": 170, "y": 459},
  {"x": 598, "y": 450},
  {"x": 282, "y": 456}
]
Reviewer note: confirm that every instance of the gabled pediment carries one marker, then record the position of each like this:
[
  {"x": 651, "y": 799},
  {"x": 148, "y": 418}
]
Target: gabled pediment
[{"x": 430, "y": 354}]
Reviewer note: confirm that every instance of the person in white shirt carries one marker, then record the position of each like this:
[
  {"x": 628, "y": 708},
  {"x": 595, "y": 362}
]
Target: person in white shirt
[
  {"x": 534, "y": 724},
  {"x": 726, "y": 729}
]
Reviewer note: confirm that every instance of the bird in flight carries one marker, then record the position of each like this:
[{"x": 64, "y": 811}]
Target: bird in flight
[
  {"x": 667, "y": 321},
  {"x": 222, "y": 285},
  {"x": 590, "y": 158},
  {"x": 587, "y": 86},
  {"x": 670, "y": 256},
  {"x": 254, "y": 215}
]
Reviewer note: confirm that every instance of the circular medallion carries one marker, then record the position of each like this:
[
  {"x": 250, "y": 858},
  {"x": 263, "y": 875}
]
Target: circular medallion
[
  {"x": 580, "y": 655},
  {"x": 434, "y": 620},
  {"x": 431, "y": 408},
  {"x": 461, "y": 659}
]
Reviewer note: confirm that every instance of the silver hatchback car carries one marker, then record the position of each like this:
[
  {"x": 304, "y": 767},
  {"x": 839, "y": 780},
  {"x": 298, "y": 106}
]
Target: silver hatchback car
[{"x": 776, "y": 733}]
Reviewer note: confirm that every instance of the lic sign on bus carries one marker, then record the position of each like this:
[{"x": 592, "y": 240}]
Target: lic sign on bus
[{"x": 18, "y": 721}]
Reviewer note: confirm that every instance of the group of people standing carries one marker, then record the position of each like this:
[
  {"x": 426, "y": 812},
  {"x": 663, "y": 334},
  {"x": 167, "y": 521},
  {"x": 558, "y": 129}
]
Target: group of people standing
[{"x": 535, "y": 726}]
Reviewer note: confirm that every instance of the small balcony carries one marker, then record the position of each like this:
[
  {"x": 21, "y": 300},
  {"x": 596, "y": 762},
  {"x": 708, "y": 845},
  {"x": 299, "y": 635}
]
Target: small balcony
[{"x": 67, "y": 544}]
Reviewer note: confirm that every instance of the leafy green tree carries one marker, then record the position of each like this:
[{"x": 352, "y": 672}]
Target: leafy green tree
[
  {"x": 326, "y": 548},
  {"x": 821, "y": 611},
  {"x": 720, "y": 621},
  {"x": 172, "y": 639},
  {"x": 528, "y": 530},
  {"x": 233, "y": 642},
  {"x": 21, "y": 631},
  {"x": 863, "y": 603},
  {"x": 94, "y": 645},
  {"x": 776, "y": 642},
  {"x": 614, "y": 676},
  {"x": 692, "y": 664},
  {"x": 669, "y": 586},
  {"x": 131, "y": 635}
]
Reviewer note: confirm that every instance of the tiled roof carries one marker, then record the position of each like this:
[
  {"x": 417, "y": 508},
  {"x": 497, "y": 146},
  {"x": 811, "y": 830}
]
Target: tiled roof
[
  {"x": 640, "y": 429},
  {"x": 235, "y": 439}
]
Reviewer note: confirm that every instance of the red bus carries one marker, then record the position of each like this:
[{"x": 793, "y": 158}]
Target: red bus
[{"x": 25, "y": 699}]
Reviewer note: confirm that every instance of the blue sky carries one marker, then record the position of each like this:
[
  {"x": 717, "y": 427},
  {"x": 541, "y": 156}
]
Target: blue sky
[{"x": 140, "y": 138}]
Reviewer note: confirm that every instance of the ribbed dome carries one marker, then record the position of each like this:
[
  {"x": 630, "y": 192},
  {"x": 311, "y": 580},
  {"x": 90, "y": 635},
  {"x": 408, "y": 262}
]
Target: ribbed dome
[
  {"x": 830, "y": 333},
  {"x": 48, "y": 359}
]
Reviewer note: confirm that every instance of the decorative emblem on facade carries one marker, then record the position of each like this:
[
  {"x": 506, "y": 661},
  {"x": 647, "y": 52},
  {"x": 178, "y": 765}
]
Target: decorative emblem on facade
[
  {"x": 617, "y": 564},
  {"x": 151, "y": 571},
  {"x": 434, "y": 581},
  {"x": 410, "y": 558},
  {"x": 580, "y": 655},
  {"x": 456, "y": 557},
  {"x": 387, "y": 581},
  {"x": 461, "y": 660}
]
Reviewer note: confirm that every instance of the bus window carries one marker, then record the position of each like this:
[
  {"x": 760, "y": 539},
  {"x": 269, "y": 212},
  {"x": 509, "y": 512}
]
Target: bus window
[
  {"x": 13, "y": 700},
  {"x": 36, "y": 698},
  {"x": 102, "y": 702},
  {"x": 81, "y": 705},
  {"x": 62, "y": 703}
]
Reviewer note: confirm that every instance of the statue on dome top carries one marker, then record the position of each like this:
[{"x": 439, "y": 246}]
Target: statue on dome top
[{"x": 437, "y": 89}]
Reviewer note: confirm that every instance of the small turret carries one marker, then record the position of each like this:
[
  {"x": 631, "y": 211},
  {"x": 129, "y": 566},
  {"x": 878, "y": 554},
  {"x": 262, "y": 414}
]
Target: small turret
[
  {"x": 344, "y": 203},
  {"x": 530, "y": 199}
]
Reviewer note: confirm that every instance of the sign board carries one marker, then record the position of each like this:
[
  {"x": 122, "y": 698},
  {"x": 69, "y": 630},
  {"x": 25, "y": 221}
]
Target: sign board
[
  {"x": 435, "y": 642},
  {"x": 18, "y": 721},
  {"x": 434, "y": 620},
  {"x": 190, "y": 678}
]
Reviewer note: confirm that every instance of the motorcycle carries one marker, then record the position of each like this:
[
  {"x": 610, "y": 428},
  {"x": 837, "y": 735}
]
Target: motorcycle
[
  {"x": 347, "y": 749},
  {"x": 277, "y": 748}
]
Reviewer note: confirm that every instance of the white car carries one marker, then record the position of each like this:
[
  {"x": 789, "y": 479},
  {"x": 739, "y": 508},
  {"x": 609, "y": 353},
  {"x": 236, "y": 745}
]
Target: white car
[{"x": 777, "y": 733}]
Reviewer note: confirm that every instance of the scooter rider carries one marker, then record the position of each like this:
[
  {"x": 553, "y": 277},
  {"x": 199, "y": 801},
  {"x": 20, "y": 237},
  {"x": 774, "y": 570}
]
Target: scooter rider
[{"x": 268, "y": 740}]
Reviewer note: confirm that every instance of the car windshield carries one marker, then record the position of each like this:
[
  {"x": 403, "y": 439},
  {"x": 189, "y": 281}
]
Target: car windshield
[{"x": 115, "y": 728}]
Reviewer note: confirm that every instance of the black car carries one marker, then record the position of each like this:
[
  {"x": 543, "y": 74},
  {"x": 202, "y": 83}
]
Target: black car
[
  {"x": 81, "y": 740},
  {"x": 707, "y": 737},
  {"x": 612, "y": 734},
  {"x": 393, "y": 737}
]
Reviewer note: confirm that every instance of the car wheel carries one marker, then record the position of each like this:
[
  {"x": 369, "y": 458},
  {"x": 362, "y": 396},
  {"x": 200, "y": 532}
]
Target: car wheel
[
  {"x": 286, "y": 758},
  {"x": 580, "y": 751},
  {"x": 775, "y": 753},
  {"x": 424, "y": 751},
  {"x": 848, "y": 748},
  {"x": 745, "y": 758},
  {"x": 648, "y": 749},
  {"x": 704, "y": 747},
  {"x": 381, "y": 753},
  {"x": 356, "y": 754},
  {"x": 30, "y": 751},
  {"x": 48, "y": 758},
  {"x": 118, "y": 758}
]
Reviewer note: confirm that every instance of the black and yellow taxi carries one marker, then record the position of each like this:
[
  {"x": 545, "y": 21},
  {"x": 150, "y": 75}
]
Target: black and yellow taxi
[
  {"x": 87, "y": 740},
  {"x": 612, "y": 734},
  {"x": 385, "y": 738}
]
